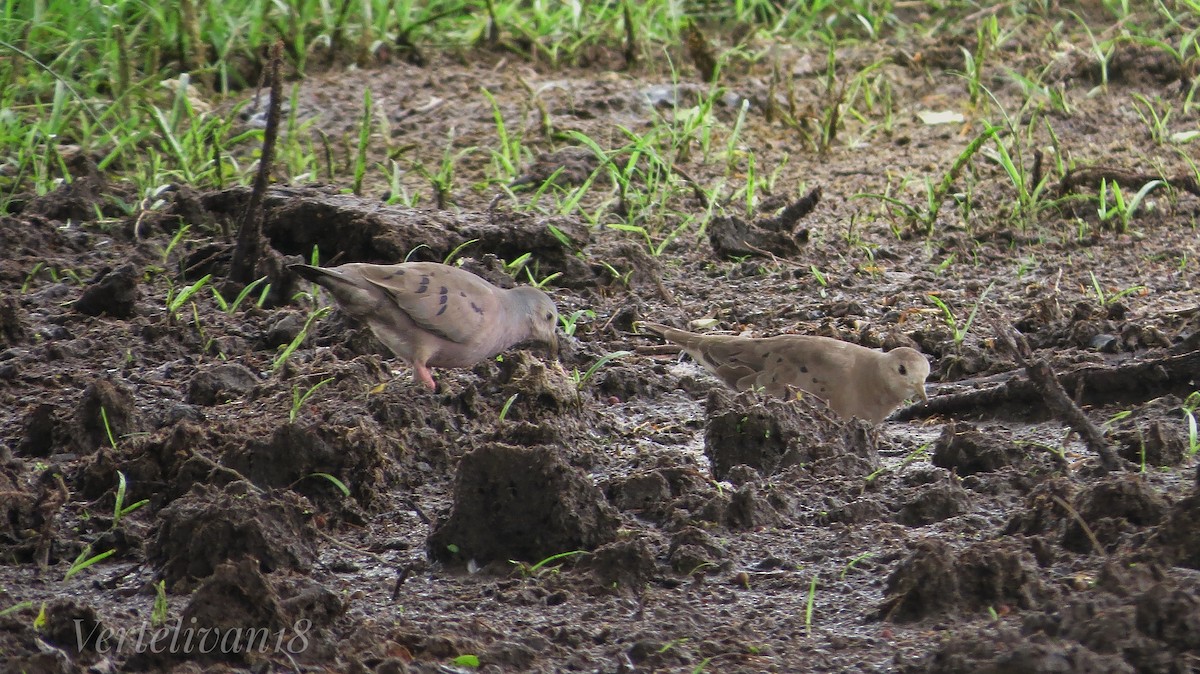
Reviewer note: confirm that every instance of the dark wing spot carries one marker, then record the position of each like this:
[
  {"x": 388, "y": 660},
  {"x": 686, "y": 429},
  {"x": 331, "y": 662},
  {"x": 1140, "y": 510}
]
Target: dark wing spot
[
  {"x": 779, "y": 359},
  {"x": 443, "y": 309},
  {"x": 399, "y": 272},
  {"x": 822, "y": 389},
  {"x": 461, "y": 294},
  {"x": 389, "y": 276},
  {"x": 816, "y": 381},
  {"x": 476, "y": 308},
  {"x": 443, "y": 291},
  {"x": 424, "y": 285},
  {"x": 442, "y": 300},
  {"x": 804, "y": 368}
]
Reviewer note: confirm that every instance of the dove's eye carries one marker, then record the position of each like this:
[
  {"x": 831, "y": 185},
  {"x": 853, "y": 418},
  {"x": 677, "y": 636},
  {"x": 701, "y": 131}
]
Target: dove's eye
[
  {"x": 903, "y": 371},
  {"x": 549, "y": 316}
]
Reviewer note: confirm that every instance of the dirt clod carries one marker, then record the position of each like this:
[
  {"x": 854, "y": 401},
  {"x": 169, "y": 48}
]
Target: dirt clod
[
  {"x": 38, "y": 432},
  {"x": 105, "y": 413},
  {"x": 113, "y": 293},
  {"x": 768, "y": 435},
  {"x": 12, "y": 331},
  {"x": 520, "y": 503},
  {"x": 206, "y": 527},
  {"x": 934, "y": 580},
  {"x": 964, "y": 449},
  {"x": 1112, "y": 508},
  {"x": 220, "y": 384}
]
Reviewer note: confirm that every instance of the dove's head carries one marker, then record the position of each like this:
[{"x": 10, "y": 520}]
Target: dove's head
[
  {"x": 541, "y": 315},
  {"x": 906, "y": 370}
]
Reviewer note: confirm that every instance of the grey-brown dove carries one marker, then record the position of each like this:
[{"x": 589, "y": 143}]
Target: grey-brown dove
[
  {"x": 855, "y": 381},
  {"x": 435, "y": 315}
]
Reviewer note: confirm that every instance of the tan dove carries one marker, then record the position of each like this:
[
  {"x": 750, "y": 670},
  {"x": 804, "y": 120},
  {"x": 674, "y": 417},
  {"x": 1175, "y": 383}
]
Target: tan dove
[
  {"x": 435, "y": 315},
  {"x": 855, "y": 381}
]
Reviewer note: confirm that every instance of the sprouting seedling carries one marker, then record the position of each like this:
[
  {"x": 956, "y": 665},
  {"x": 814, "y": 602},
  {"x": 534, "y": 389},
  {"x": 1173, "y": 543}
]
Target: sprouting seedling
[
  {"x": 299, "y": 398},
  {"x": 581, "y": 380},
  {"x": 1121, "y": 209},
  {"x": 570, "y": 321},
  {"x": 442, "y": 181},
  {"x": 262, "y": 296},
  {"x": 364, "y": 142},
  {"x": 560, "y": 235},
  {"x": 85, "y": 560},
  {"x": 1156, "y": 119},
  {"x": 1119, "y": 416},
  {"x": 915, "y": 455},
  {"x": 853, "y": 562},
  {"x": 1105, "y": 299},
  {"x": 29, "y": 277},
  {"x": 670, "y": 645},
  {"x": 935, "y": 194},
  {"x": 457, "y": 250},
  {"x": 414, "y": 250},
  {"x": 947, "y": 263},
  {"x": 228, "y": 307},
  {"x": 16, "y": 608},
  {"x": 959, "y": 331},
  {"x": 1059, "y": 453},
  {"x": 174, "y": 242},
  {"x": 507, "y": 404},
  {"x": 515, "y": 267},
  {"x": 809, "y": 605},
  {"x": 821, "y": 280},
  {"x": 204, "y": 338},
  {"x": 1189, "y": 415},
  {"x": 299, "y": 338},
  {"x": 622, "y": 277},
  {"x": 176, "y": 300},
  {"x": 107, "y": 428},
  {"x": 119, "y": 508},
  {"x": 508, "y": 157},
  {"x": 535, "y": 569},
  {"x": 158, "y": 614},
  {"x": 467, "y": 660},
  {"x": 544, "y": 281},
  {"x": 332, "y": 479}
]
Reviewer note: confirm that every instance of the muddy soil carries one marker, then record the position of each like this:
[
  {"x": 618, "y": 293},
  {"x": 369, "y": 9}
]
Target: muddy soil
[{"x": 385, "y": 527}]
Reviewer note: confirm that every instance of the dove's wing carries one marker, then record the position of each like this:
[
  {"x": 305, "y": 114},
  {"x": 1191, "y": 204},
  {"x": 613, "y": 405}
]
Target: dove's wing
[
  {"x": 448, "y": 302},
  {"x": 813, "y": 364}
]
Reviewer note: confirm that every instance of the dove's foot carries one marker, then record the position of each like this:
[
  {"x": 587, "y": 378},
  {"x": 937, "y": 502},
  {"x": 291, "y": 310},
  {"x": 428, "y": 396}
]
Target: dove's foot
[{"x": 422, "y": 374}]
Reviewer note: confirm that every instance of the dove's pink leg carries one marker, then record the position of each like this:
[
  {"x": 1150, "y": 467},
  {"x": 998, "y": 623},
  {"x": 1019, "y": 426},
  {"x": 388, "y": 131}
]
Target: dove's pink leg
[{"x": 422, "y": 374}]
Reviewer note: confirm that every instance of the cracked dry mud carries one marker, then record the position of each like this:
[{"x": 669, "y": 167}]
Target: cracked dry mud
[{"x": 706, "y": 528}]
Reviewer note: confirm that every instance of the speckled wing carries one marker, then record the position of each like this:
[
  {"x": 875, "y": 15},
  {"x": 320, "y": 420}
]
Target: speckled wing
[
  {"x": 451, "y": 303},
  {"x": 774, "y": 364}
]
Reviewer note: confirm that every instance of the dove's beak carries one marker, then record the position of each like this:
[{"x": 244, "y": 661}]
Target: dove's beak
[
  {"x": 920, "y": 391},
  {"x": 552, "y": 347}
]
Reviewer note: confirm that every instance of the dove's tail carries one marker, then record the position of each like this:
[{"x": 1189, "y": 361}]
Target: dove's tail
[
  {"x": 333, "y": 280},
  {"x": 316, "y": 274},
  {"x": 668, "y": 333},
  {"x": 655, "y": 329},
  {"x": 350, "y": 292}
]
